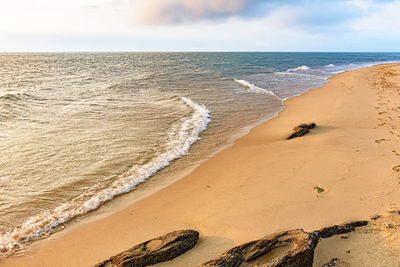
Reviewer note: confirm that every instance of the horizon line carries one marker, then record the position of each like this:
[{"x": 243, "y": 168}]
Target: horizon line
[{"x": 189, "y": 51}]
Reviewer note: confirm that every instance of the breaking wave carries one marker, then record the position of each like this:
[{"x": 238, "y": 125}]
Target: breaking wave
[
  {"x": 254, "y": 89},
  {"x": 180, "y": 139},
  {"x": 301, "y": 68}
]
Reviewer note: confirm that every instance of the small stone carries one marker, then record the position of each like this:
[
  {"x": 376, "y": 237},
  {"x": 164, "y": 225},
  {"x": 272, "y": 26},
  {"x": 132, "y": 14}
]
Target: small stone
[
  {"x": 332, "y": 263},
  {"x": 389, "y": 225},
  {"x": 319, "y": 189}
]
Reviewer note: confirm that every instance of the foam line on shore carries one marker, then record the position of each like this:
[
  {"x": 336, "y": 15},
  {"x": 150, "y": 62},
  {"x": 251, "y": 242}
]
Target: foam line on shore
[{"x": 252, "y": 88}]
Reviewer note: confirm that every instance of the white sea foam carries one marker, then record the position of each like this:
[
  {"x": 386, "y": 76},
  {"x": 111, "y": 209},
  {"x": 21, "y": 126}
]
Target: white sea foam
[
  {"x": 179, "y": 142},
  {"x": 253, "y": 88},
  {"x": 300, "y": 75},
  {"x": 301, "y": 68},
  {"x": 330, "y": 65}
]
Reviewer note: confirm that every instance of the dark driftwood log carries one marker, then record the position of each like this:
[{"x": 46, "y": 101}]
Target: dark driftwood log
[
  {"x": 289, "y": 249},
  {"x": 160, "y": 249},
  {"x": 301, "y": 130},
  {"x": 286, "y": 249}
]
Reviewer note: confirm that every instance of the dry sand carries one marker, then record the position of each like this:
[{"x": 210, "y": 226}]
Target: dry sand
[{"x": 264, "y": 183}]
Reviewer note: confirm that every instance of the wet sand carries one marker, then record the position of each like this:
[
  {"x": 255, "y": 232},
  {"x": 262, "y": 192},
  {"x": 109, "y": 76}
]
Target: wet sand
[{"x": 265, "y": 183}]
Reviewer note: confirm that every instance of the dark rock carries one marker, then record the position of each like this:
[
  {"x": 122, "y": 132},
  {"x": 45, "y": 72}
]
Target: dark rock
[
  {"x": 301, "y": 130},
  {"x": 160, "y": 249},
  {"x": 289, "y": 249},
  {"x": 340, "y": 229},
  {"x": 331, "y": 263},
  {"x": 319, "y": 189},
  {"x": 336, "y": 262}
]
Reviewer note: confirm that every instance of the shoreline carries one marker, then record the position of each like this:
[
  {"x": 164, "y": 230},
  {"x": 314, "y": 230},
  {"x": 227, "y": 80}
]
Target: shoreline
[{"x": 218, "y": 202}]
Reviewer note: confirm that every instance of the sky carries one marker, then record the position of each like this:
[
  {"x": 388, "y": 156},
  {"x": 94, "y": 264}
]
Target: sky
[{"x": 199, "y": 25}]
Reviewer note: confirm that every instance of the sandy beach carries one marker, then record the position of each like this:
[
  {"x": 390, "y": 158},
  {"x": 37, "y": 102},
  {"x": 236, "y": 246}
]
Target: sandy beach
[{"x": 265, "y": 183}]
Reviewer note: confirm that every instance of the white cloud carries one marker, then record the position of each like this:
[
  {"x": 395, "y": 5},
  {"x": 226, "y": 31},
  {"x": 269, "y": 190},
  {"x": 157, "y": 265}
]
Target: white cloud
[
  {"x": 105, "y": 25},
  {"x": 276, "y": 31},
  {"x": 176, "y": 11},
  {"x": 379, "y": 18},
  {"x": 78, "y": 16},
  {"x": 363, "y": 5}
]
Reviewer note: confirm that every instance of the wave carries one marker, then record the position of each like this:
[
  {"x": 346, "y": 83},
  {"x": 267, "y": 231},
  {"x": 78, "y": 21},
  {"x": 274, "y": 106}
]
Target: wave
[
  {"x": 180, "y": 139},
  {"x": 301, "y": 75},
  {"x": 301, "y": 68},
  {"x": 330, "y": 65},
  {"x": 254, "y": 89}
]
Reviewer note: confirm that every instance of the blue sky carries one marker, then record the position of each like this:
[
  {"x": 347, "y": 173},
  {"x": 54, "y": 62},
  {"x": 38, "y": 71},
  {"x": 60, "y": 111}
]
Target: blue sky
[{"x": 199, "y": 25}]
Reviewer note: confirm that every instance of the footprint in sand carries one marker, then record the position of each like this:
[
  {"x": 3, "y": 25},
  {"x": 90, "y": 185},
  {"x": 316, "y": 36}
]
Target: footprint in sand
[
  {"x": 396, "y": 168},
  {"x": 380, "y": 140}
]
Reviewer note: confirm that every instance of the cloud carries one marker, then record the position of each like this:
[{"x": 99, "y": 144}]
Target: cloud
[
  {"x": 73, "y": 16},
  {"x": 199, "y": 25},
  {"x": 178, "y": 11},
  {"x": 379, "y": 18}
]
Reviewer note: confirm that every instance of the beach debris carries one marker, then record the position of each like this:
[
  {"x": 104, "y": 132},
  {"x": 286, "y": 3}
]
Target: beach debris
[
  {"x": 389, "y": 225},
  {"x": 301, "y": 130},
  {"x": 319, "y": 189},
  {"x": 336, "y": 262},
  {"x": 285, "y": 249},
  {"x": 289, "y": 248},
  {"x": 340, "y": 229},
  {"x": 396, "y": 168},
  {"x": 160, "y": 249},
  {"x": 380, "y": 140},
  {"x": 376, "y": 217}
]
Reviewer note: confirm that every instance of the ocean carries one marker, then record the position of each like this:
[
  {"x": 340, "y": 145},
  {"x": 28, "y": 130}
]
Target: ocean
[{"x": 79, "y": 129}]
